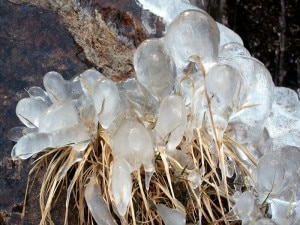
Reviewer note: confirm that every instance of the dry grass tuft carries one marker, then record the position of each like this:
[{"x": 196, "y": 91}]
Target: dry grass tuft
[
  {"x": 209, "y": 203},
  {"x": 169, "y": 185}
]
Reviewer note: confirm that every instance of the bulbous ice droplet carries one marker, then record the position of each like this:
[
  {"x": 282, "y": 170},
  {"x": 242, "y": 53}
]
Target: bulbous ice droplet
[
  {"x": 96, "y": 204},
  {"x": 189, "y": 86},
  {"x": 139, "y": 99},
  {"x": 39, "y": 93},
  {"x": 89, "y": 79},
  {"x": 59, "y": 89},
  {"x": 283, "y": 116},
  {"x": 246, "y": 208},
  {"x": 291, "y": 138},
  {"x": 73, "y": 134},
  {"x": 16, "y": 133},
  {"x": 28, "y": 111},
  {"x": 172, "y": 120},
  {"x": 30, "y": 145},
  {"x": 154, "y": 68},
  {"x": 257, "y": 89},
  {"x": 86, "y": 111},
  {"x": 107, "y": 101},
  {"x": 270, "y": 174},
  {"x": 193, "y": 33},
  {"x": 171, "y": 216},
  {"x": 231, "y": 50},
  {"x": 195, "y": 179},
  {"x": 227, "y": 35},
  {"x": 58, "y": 116},
  {"x": 199, "y": 109},
  {"x": 285, "y": 212},
  {"x": 244, "y": 204},
  {"x": 222, "y": 83},
  {"x": 286, "y": 99},
  {"x": 255, "y": 98},
  {"x": 54, "y": 84},
  {"x": 183, "y": 158},
  {"x": 121, "y": 184},
  {"x": 132, "y": 141}
]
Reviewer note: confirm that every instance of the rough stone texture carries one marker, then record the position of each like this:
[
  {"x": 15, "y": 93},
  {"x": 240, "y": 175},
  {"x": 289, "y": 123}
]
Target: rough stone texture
[
  {"x": 90, "y": 31},
  {"x": 34, "y": 41}
]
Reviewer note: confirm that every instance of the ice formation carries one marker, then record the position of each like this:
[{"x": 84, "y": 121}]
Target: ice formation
[
  {"x": 96, "y": 204},
  {"x": 199, "y": 68}
]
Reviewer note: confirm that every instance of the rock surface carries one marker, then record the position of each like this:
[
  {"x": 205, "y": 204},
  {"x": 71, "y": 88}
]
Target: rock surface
[{"x": 33, "y": 41}]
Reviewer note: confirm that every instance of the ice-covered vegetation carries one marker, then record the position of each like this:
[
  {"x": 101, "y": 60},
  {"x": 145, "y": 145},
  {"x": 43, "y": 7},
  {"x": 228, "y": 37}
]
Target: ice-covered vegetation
[{"x": 202, "y": 124}]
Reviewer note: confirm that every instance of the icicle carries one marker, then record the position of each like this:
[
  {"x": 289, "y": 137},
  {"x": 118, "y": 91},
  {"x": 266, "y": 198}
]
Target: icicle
[
  {"x": 171, "y": 216},
  {"x": 121, "y": 182},
  {"x": 96, "y": 204}
]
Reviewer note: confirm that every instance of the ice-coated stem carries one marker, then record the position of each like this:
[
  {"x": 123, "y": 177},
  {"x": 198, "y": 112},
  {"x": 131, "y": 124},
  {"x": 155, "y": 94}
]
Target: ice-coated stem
[{"x": 96, "y": 204}]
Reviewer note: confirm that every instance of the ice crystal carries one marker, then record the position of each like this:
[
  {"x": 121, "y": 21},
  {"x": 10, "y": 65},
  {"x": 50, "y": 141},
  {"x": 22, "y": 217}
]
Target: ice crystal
[{"x": 197, "y": 80}]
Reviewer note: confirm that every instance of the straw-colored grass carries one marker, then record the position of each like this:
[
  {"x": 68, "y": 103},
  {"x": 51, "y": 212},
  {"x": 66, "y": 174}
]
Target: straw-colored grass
[{"x": 169, "y": 185}]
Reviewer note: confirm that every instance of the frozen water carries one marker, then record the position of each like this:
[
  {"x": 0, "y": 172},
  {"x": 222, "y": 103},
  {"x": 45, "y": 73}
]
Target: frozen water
[
  {"x": 230, "y": 168},
  {"x": 154, "y": 68},
  {"x": 59, "y": 89},
  {"x": 279, "y": 124},
  {"x": 121, "y": 184},
  {"x": 270, "y": 174},
  {"x": 199, "y": 109},
  {"x": 246, "y": 208},
  {"x": 183, "y": 158},
  {"x": 73, "y": 134},
  {"x": 54, "y": 84},
  {"x": 171, "y": 216},
  {"x": 231, "y": 50},
  {"x": 286, "y": 99},
  {"x": 133, "y": 142},
  {"x": 28, "y": 111},
  {"x": 193, "y": 33},
  {"x": 89, "y": 79},
  {"x": 279, "y": 177},
  {"x": 244, "y": 204},
  {"x": 256, "y": 91},
  {"x": 85, "y": 109},
  {"x": 228, "y": 36},
  {"x": 139, "y": 99},
  {"x": 290, "y": 157},
  {"x": 284, "y": 113},
  {"x": 169, "y": 10},
  {"x": 166, "y": 9},
  {"x": 222, "y": 83},
  {"x": 58, "y": 116},
  {"x": 96, "y": 204},
  {"x": 107, "y": 101},
  {"x": 189, "y": 86},
  {"x": 291, "y": 138},
  {"x": 172, "y": 121},
  {"x": 30, "y": 145},
  {"x": 265, "y": 221},
  {"x": 16, "y": 133},
  {"x": 166, "y": 101},
  {"x": 195, "y": 179},
  {"x": 39, "y": 94},
  {"x": 285, "y": 212},
  {"x": 74, "y": 157},
  {"x": 255, "y": 98}
]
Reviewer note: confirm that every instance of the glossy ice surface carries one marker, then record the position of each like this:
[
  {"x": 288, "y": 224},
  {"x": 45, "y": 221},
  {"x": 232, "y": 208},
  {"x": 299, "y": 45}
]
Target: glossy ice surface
[{"x": 198, "y": 73}]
